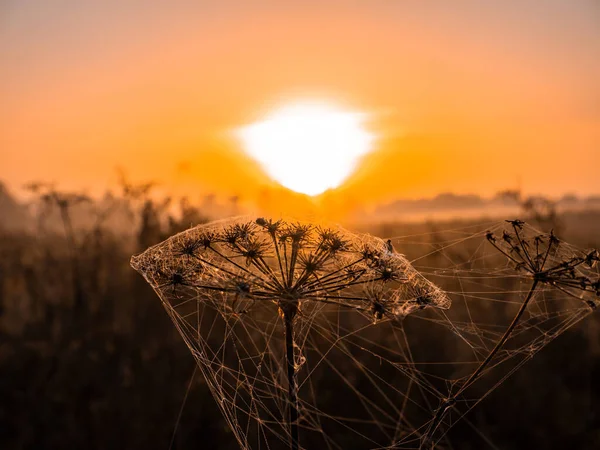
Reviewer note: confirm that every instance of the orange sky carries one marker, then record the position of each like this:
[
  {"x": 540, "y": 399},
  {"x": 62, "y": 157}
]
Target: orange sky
[{"x": 464, "y": 96}]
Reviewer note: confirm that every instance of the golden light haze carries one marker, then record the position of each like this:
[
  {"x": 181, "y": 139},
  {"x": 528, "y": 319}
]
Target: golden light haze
[{"x": 465, "y": 96}]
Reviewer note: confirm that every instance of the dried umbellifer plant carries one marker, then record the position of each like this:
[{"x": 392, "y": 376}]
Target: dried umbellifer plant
[
  {"x": 235, "y": 263},
  {"x": 547, "y": 261}
]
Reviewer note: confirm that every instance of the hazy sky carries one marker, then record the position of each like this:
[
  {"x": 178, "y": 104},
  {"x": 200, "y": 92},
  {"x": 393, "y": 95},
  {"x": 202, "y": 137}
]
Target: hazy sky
[{"x": 464, "y": 96}]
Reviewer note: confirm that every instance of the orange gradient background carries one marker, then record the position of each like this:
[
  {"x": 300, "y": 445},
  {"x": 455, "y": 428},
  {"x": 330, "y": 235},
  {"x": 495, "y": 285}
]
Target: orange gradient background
[{"x": 463, "y": 97}]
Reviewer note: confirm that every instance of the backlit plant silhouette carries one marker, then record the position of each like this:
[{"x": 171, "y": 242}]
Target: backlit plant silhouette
[
  {"x": 546, "y": 261},
  {"x": 282, "y": 316},
  {"x": 297, "y": 267}
]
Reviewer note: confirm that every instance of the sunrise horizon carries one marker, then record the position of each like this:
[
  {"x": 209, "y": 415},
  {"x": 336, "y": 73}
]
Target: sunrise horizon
[{"x": 445, "y": 113}]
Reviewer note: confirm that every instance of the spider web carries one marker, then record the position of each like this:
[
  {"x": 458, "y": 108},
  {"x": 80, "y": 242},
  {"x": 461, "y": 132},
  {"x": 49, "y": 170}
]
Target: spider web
[{"x": 389, "y": 351}]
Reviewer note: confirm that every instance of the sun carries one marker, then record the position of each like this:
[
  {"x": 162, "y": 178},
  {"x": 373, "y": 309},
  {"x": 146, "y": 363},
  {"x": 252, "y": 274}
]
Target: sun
[{"x": 308, "y": 147}]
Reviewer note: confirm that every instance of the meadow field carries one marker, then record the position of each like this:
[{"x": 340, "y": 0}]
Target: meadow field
[{"x": 89, "y": 359}]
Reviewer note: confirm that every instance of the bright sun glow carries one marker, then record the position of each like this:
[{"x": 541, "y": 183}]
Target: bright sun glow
[{"x": 308, "y": 148}]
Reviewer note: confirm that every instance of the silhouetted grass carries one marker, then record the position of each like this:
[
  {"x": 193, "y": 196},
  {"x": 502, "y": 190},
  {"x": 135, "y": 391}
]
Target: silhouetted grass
[{"x": 89, "y": 359}]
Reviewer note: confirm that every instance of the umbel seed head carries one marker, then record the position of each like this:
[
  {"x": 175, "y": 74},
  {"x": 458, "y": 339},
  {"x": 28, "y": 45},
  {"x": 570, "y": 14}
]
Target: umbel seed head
[
  {"x": 550, "y": 261},
  {"x": 287, "y": 261}
]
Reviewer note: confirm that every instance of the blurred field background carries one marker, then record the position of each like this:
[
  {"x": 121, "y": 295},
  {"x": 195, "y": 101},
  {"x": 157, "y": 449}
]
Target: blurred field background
[{"x": 89, "y": 359}]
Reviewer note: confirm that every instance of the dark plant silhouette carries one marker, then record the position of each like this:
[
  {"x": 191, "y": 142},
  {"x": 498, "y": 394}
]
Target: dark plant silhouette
[
  {"x": 65, "y": 202},
  {"x": 546, "y": 261},
  {"x": 294, "y": 265}
]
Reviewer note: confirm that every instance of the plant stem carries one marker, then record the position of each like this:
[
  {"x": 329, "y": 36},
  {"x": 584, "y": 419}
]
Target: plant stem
[
  {"x": 72, "y": 244},
  {"x": 502, "y": 341},
  {"x": 291, "y": 376},
  {"x": 448, "y": 403}
]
